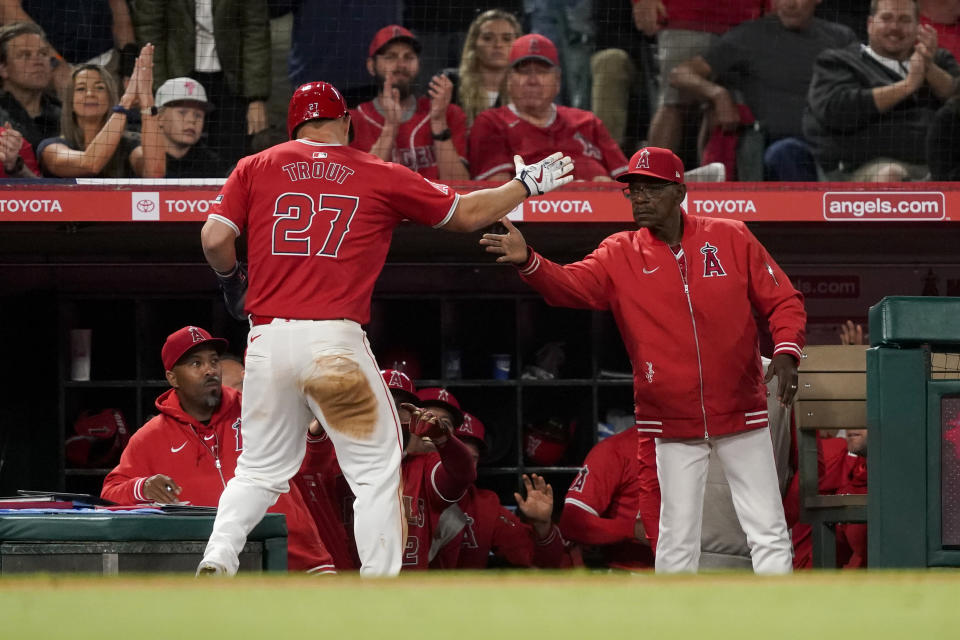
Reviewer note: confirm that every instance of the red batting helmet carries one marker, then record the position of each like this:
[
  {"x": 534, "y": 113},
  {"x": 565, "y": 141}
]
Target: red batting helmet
[
  {"x": 545, "y": 443},
  {"x": 314, "y": 100},
  {"x": 100, "y": 439}
]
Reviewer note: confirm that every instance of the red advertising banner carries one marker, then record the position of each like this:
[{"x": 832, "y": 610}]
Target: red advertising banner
[{"x": 157, "y": 201}]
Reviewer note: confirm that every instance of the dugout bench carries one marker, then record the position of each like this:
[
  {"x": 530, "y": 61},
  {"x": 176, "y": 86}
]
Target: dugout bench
[
  {"x": 832, "y": 395},
  {"x": 109, "y": 543}
]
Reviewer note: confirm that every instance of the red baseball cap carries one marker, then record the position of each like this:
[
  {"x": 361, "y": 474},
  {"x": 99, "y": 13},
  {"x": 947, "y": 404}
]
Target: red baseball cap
[
  {"x": 183, "y": 340},
  {"x": 400, "y": 385},
  {"x": 439, "y": 397},
  {"x": 390, "y": 33},
  {"x": 472, "y": 429},
  {"x": 656, "y": 163},
  {"x": 533, "y": 46}
]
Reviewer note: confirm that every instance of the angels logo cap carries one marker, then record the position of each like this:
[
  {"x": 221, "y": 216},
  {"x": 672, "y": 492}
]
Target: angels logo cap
[
  {"x": 473, "y": 429},
  {"x": 533, "y": 46},
  {"x": 440, "y": 397},
  {"x": 183, "y": 340},
  {"x": 390, "y": 33},
  {"x": 656, "y": 163}
]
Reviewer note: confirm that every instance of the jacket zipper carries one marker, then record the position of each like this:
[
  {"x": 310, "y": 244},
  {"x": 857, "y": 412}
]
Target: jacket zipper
[{"x": 696, "y": 341}]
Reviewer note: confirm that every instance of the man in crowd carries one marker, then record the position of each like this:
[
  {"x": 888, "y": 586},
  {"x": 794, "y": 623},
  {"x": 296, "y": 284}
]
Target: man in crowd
[
  {"x": 870, "y": 106},
  {"x": 533, "y": 122},
  {"x": 189, "y": 451},
  {"x": 426, "y": 134},
  {"x": 767, "y": 63},
  {"x": 684, "y": 290},
  {"x": 26, "y": 71}
]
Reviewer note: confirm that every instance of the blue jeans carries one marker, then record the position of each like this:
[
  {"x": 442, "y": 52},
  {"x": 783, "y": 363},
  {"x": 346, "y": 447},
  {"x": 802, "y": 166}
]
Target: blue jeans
[{"x": 789, "y": 160}]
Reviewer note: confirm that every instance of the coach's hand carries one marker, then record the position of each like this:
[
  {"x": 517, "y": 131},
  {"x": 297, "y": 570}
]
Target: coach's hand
[
  {"x": 233, "y": 285},
  {"x": 553, "y": 171},
  {"x": 785, "y": 368},
  {"x": 511, "y": 246},
  {"x": 161, "y": 488}
]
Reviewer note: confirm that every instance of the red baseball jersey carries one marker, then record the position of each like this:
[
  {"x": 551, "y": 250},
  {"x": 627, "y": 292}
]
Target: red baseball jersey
[
  {"x": 618, "y": 482},
  {"x": 499, "y": 134},
  {"x": 423, "y": 506},
  {"x": 491, "y": 528},
  {"x": 414, "y": 144},
  {"x": 319, "y": 218}
]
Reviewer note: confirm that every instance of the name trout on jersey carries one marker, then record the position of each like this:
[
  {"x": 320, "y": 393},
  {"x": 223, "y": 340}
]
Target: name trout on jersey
[{"x": 317, "y": 170}]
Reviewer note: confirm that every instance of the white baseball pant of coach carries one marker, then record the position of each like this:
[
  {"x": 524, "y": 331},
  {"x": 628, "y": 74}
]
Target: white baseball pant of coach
[
  {"x": 749, "y": 466},
  {"x": 295, "y": 370}
]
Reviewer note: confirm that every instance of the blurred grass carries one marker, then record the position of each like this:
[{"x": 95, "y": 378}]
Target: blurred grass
[{"x": 491, "y": 605}]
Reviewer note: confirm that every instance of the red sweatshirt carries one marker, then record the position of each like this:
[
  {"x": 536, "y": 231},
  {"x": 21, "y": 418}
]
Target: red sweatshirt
[{"x": 201, "y": 458}]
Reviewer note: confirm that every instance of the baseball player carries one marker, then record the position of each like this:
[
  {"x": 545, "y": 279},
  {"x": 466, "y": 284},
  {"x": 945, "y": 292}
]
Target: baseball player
[
  {"x": 488, "y": 527},
  {"x": 319, "y": 216},
  {"x": 683, "y": 290},
  {"x": 189, "y": 451},
  {"x": 426, "y": 134},
  {"x": 613, "y": 503}
]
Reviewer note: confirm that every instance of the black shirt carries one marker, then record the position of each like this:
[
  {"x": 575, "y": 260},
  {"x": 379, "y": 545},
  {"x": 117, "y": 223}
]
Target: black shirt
[
  {"x": 46, "y": 125},
  {"x": 200, "y": 162}
]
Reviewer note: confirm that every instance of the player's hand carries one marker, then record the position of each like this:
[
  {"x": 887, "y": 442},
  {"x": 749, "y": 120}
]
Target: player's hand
[
  {"x": 648, "y": 16},
  {"x": 390, "y": 103},
  {"x": 161, "y": 488},
  {"x": 256, "y": 117},
  {"x": 233, "y": 286},
  {"x": 511, "y": 246},
  {"x": 785, "y": 368},
  {"x": 440, "y": 91},
  {"x": 538, "y": 178},
  {"x": 537, "y": 507},
  {"x": 425, "y": 424},
  {"x": 851, "y": 333}
]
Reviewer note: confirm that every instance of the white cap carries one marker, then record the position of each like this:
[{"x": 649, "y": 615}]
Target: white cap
[{"x": 182, "y": 90}]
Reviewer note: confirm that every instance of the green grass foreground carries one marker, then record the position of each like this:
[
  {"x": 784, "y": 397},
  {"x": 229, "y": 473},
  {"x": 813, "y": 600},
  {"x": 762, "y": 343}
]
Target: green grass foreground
[{"x": 920, "y": 605}]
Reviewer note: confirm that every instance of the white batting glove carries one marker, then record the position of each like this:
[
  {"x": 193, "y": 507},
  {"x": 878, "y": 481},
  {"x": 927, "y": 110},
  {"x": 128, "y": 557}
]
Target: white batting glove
[{"x": 548, "y": 174}]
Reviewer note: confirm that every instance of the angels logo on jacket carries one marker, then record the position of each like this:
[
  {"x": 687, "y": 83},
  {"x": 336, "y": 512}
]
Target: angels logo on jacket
[
  {"x": 711, "y": 264},
  {"x": 580, "y": 480},
  {"x": 237, "y": 434}
]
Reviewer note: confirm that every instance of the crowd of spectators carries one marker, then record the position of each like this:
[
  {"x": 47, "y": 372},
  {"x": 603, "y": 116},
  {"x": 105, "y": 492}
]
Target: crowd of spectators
[{"x": 780, "y": 90}]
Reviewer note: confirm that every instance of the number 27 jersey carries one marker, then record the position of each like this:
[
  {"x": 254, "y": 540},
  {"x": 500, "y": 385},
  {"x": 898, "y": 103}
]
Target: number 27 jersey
[{"x": 319, "y": 219}]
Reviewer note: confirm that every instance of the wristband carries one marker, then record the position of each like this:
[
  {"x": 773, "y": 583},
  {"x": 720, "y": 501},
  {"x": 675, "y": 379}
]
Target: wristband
[{"x": 121, "y": 109}]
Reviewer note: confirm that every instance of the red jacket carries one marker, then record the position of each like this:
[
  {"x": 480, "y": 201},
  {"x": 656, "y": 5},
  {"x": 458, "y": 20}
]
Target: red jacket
[
  {"x": 175, "y": 444},
  {"x": 693, "y": 345},
  {"x": 709, "y": 15}
]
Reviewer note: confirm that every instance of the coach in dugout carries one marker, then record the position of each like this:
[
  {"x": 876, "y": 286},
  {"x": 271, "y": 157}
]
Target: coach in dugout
[
  {"x": 188, "y": 452},
  {"x": 532, "y": 123}
]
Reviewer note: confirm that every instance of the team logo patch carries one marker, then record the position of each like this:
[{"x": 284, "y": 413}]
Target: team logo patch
[
  {"x": 442, "y": 188},
  {"x": 643, "y": 160},
  {"x": 580, "y": 480},
  {"x": 711, "y": 263},
  {"x": 648, "y": 372},
  {"x": 195, "y": 334}
]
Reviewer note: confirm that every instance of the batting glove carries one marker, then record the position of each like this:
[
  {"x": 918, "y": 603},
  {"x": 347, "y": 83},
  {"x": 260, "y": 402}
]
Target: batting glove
[
  {"x": 548, "y": 174},
  {"x": 233, "y": 285},
  {"x": 425, "y": 424}
]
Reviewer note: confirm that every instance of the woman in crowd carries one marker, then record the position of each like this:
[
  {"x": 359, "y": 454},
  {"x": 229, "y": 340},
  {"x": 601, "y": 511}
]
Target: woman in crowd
[
  {"x": 93, "y": 139},
  {"x": 484, "y": 63}
]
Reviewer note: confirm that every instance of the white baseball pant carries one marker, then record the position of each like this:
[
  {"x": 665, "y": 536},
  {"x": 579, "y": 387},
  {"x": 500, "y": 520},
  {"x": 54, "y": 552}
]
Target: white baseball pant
[
  {"x": 748, "y": 464},
  {"x": 295, "y": 370}
]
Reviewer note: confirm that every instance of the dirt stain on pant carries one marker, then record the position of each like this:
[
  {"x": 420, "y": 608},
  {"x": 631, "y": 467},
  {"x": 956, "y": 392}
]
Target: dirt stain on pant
[{"x": 343, "y": 393}]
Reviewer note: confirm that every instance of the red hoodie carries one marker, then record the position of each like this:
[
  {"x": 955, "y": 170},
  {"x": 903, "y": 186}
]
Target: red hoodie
[{"x": 177, "y": 445}]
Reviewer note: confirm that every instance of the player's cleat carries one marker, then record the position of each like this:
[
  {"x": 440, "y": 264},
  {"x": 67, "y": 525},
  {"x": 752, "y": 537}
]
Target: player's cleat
[{"x": 208, "y": 568}]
